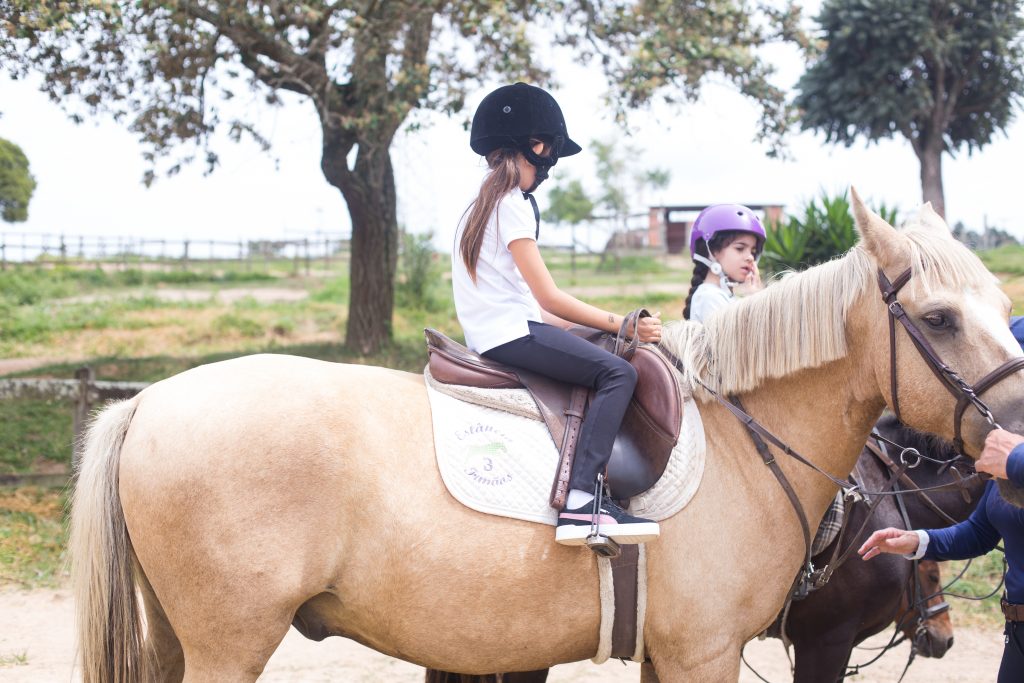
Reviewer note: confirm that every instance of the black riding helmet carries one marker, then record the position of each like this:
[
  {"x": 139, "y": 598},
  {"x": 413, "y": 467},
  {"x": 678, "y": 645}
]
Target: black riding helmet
[{"x": 511, "y": 115}]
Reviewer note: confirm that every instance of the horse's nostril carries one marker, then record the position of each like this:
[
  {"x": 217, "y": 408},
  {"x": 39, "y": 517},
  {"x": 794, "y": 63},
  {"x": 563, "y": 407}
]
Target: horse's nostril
[{"x": 949, "y": 643}]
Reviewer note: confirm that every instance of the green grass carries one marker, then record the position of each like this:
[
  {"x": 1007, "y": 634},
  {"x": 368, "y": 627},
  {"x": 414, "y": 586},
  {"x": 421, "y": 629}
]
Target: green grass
[
  {"x": 15, "y": 659},
  {"x": 32, "y": 537},
  {"x": 35, "y": 435},
  {"x": 1008, "y": 259},
  {"x": 981, "y": 578}
]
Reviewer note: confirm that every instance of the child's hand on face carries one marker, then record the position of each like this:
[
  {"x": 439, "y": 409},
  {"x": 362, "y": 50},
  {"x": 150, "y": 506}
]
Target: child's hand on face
[
  {"x": 649, "y": 328},
  {"x": 752, "y": 283}
]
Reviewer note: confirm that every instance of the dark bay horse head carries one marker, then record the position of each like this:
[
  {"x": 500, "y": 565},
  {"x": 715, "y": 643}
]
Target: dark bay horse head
[
  {"x": 924, "y": 617},
  {"x": 956, "y": 502}
]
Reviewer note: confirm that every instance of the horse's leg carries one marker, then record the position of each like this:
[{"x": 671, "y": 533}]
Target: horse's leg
[
  {"x": 162, "y": 646},
  {"x": 824, "y": 660},
  {"x": 722, "y": 666}
]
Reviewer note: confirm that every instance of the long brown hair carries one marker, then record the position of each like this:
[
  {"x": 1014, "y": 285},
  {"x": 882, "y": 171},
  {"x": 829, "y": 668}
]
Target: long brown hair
[{"x": 502, "y": 177}]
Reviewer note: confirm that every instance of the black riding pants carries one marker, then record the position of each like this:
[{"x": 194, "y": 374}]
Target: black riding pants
[
  {"x": 1011, "y": 669},
  {"x": 555, "y": 353}
]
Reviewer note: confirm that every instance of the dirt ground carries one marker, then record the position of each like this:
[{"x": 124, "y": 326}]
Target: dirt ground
[{"x": 36, "y": 644}]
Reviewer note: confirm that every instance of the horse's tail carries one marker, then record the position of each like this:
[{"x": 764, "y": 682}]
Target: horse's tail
[{"x": 109, "y": 616}]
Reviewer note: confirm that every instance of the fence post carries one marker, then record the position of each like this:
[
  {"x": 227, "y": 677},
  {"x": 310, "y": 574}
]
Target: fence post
[
  {"x": 63, "y": 249},
  {"x": 184, "y": 258},
  {"x": 83, "y": 404},
  {"x": 3, "y": 252},
  {"x": 305, "y": 244}
]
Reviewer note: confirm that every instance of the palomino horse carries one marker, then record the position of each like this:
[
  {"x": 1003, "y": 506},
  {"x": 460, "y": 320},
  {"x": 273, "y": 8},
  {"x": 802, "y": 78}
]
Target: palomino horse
[
  {"x": 862, "y": 599},
  {"x": 242, "y": 497}
]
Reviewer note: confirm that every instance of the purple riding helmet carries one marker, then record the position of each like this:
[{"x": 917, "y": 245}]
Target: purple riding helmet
[{"x": 720, "y": 218}]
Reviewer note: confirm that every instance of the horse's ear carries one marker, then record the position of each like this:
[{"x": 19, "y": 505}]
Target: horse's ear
[
  {"x": 929, "y": 218},
  {"x": 880, "y": 239}
]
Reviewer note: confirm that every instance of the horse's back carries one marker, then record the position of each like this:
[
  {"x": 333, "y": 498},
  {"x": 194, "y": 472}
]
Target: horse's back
[{"x": 283, "y": 439}]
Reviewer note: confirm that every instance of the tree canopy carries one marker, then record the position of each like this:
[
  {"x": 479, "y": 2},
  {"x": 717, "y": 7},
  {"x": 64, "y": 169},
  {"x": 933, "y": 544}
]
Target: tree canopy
[
  {"x": 176, "y": 71},
  {"x": 16, "y": 183},
  {"x": 944, "y": 74}
]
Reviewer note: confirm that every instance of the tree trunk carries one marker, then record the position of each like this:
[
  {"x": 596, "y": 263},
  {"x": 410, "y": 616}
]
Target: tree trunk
[
  {"x": 930, "y": 157},
  {"x": 369, "y": 192}
]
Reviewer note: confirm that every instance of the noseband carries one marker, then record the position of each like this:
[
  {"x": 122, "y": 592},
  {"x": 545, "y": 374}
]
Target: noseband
[{"x": 964, "y": 393}]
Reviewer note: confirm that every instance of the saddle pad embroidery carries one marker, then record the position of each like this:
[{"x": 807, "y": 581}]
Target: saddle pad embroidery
[{"x": 503, "y": 463}]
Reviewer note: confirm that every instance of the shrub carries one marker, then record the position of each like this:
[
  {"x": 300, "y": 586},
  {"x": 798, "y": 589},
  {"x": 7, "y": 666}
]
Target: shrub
[
  {"x": 824, "y": 230},
  {"x": 418, "y": 273}
]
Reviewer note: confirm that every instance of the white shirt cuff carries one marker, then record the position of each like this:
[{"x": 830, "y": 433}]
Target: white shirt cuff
[{"x": 922, "y": 545}]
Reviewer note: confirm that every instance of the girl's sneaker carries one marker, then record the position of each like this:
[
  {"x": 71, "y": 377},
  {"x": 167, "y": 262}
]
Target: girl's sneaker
[{"x": 575, "y": 525}]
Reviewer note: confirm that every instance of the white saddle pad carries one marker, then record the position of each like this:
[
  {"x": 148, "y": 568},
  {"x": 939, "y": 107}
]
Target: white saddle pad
[{"x": 496, "y": 455}]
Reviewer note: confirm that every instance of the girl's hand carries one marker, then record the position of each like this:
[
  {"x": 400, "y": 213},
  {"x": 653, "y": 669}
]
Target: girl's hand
[
  {"x": 752, "y": 283},
  {"x": 891, "y": 540},
  {"x": 649, "y": 329}
]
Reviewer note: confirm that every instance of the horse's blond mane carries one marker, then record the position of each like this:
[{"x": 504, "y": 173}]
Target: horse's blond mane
[{"x": 799, "y": 321}]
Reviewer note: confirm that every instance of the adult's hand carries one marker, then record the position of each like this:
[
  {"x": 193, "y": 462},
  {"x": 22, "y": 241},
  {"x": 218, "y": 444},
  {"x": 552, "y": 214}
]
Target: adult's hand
[
  {"x": 998, "y": 445},
  {"x": 891, "y": 540}
]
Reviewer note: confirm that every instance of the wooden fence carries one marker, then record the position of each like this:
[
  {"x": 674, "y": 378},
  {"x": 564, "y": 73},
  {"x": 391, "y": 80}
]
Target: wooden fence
[
  {"x": 44, "y": 249},
  {"x": 83, "y": 392}
]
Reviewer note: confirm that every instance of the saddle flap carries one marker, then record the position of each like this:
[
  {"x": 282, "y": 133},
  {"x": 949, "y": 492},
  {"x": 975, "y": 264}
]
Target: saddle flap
[{"x": 650, "y": 428}]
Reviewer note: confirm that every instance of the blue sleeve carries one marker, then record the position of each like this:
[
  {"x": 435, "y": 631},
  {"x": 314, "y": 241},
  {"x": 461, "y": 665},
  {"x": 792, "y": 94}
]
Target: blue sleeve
[
  {"x": 972, "y": 537},
  {"x": 1017, "y": 327},
  {"x": 1015, "y": 465}
]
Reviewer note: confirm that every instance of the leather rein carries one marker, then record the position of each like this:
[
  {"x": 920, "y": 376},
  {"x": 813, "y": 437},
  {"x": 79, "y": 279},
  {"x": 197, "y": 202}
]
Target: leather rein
[{"x": 965, "y": 394}]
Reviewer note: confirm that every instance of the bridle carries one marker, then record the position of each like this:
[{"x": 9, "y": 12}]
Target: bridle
[{"x": 964, "y": 393}]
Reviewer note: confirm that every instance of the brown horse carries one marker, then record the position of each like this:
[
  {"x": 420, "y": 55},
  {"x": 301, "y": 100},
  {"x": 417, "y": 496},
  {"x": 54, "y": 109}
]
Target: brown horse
[
  {"x": 242, "y": 497},
  {"x": 861, "y": 599}
]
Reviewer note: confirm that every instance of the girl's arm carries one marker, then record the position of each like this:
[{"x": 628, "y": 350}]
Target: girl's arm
[{"x": 565, "y": 306}]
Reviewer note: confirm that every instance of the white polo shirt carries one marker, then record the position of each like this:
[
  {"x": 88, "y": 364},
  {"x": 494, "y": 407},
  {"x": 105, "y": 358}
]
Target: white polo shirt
[
  {"x": 496, "y": 308},
  {"x": 707, "y": 299}
]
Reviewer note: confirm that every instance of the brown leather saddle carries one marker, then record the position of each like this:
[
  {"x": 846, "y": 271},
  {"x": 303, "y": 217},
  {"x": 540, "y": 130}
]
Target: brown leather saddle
[{"x": 649, "y": 430}]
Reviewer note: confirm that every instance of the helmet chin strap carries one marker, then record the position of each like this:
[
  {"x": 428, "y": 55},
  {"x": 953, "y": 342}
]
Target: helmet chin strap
[{"x": 723, "y": 280}]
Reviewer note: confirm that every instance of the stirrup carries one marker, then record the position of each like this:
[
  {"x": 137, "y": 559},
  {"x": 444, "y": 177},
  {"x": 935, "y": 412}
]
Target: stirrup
[{"x": 599, "y": 544}]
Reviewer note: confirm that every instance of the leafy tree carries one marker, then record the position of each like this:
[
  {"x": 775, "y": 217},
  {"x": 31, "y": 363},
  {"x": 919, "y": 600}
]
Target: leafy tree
[
  {"x": 16, "y": 183},
  {"x": 944, "y": 74},
  {"x": 621, "y": 184},
  {"x": 570, "y": 204},
  {"x": 171, "y": 68}
]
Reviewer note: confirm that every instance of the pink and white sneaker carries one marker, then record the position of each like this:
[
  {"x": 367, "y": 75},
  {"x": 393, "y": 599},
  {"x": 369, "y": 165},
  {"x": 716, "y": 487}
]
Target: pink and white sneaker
[{"x": 575, "y": 525}]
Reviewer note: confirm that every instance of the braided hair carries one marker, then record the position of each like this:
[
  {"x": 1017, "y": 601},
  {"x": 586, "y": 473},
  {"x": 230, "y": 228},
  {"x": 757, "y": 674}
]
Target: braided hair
[{"x": 719, "y": 241}]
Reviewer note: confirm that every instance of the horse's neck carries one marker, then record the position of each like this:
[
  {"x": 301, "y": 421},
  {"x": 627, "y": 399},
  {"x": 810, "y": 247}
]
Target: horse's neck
[{"x": 821, "y": 413}]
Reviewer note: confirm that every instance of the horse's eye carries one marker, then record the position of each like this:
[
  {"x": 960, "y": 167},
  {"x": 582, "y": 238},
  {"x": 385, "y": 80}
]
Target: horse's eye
[{"x": 937, "y": 320}]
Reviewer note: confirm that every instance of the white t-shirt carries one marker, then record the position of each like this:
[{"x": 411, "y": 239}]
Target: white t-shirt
[
  {"x": 496, "y": 308},
  {"x": 707, "y": 299}
]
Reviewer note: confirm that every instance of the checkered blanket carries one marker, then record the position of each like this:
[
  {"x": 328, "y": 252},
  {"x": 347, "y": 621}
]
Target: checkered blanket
[{"x": 830, "y": 525}]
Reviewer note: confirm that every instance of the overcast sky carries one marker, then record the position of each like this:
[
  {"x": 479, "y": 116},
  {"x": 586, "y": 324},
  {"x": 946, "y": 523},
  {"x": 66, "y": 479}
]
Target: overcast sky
[{"x": 89, "y": 176}]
